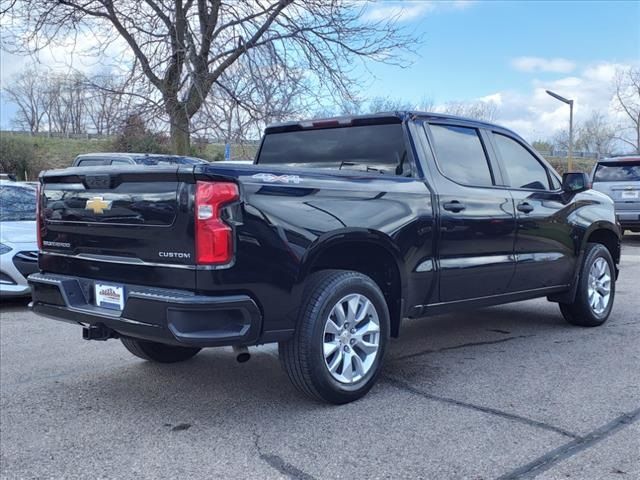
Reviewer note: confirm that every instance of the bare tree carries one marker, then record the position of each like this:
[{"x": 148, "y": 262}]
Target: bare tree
[
  {"x": 107, "y": 107},
  {"x": 479, "y": 110},
  {"x": 560, "y": 140},
  {"x": 74, "y": 99},
  {"x": 627, "y": 98},
  {"x": 64, "y": 100},
  {"x": 426, "y": 104},
  {"x": 388, "y": 104},
  {"x": 596, "y": 134},
  {"x": 26, "y": 92},
  {"x": 181, "y": 49}
]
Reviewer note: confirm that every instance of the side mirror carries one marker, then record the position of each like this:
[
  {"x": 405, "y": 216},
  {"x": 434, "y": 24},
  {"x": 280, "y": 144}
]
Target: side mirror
[{"x": 574, "y": 182}]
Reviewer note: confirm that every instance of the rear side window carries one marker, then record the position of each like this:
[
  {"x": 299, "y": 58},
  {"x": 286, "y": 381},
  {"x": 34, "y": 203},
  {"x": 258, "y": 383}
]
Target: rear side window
[
  {"x": 627, "y": 172},
  {"x": 119, "y": 161},
  {"x": 460, "y": 155},
  {"x": 524, "y": 170},
  {"x": 366, "y": 148}
]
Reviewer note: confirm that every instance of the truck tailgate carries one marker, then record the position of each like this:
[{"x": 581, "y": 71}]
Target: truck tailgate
[{"x": 124, "y": 224}]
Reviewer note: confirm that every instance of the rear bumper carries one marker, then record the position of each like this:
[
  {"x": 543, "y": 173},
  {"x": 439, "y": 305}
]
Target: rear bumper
[
  {"x": 161, "y": 315},
  {"x": 628, "y": 218}
]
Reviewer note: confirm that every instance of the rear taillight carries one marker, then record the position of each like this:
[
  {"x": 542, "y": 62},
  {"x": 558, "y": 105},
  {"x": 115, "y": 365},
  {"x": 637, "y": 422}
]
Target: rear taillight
[
  {"x": 39, "y": 219},
  {"x": 214, "y": 240}
]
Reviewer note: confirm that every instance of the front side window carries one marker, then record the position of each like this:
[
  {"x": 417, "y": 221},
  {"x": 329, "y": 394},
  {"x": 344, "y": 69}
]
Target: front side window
[
  {"x": 524, "y": 170},
  {"x": 460, "y": 155}
]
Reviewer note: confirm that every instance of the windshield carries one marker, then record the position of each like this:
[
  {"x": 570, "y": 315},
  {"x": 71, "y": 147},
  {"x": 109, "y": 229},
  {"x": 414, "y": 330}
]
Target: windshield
[
  {"x": 627, "y": 172},
  {"x": 17, "y": 203},
  {"x": 367, "y": 148}
]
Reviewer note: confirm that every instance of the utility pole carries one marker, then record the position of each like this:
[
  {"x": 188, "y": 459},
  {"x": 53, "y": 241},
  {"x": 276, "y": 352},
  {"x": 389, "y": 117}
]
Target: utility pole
[{"x": 570, "y": 103}]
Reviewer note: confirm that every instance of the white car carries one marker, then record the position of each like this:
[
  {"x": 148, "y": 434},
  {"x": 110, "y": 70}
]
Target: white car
[{"x": 18, "y": 238}]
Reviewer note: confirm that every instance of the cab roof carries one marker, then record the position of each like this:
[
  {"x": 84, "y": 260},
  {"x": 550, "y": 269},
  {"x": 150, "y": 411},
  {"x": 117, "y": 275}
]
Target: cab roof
[{"x": 378, "y": 119}]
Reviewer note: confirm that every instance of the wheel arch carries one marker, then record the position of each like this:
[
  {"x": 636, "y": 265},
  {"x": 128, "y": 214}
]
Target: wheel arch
[
  {"x": 603, "y": 232},
  {"x": 607, "y": 234},
  {"x": 367, "y": 251}
]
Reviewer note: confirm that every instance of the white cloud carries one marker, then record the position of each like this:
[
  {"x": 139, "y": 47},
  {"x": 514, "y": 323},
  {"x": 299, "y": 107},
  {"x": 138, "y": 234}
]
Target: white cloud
[
  {"x": 405, "y": 11},
  {"x": 539, "y": 64},
  {"x": 532, "y": 113},
  {"x": 492, "y": 98},
  {"x": 398, "y": 11}
]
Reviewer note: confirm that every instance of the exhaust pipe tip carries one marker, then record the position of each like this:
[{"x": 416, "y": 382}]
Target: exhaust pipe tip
[
  {"x": 243, "y": 357},
  {"x": 242, "y": 354}
]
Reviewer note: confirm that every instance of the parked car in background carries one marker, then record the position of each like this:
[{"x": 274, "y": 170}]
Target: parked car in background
[
  {"x": 119, "y": 158},
  {"x": 619, "y": 177},
  {"x": 18, "y": 243}
]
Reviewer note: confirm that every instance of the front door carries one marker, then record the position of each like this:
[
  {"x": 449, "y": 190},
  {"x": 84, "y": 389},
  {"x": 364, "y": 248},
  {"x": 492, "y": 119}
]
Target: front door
[{"x": 544, "y": 250}]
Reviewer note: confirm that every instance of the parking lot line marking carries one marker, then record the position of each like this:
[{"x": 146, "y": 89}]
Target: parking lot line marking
[
  {"x": 455, "y": 347},
  {"x": 546, "y": 461},
  {"x": 479, "y": 408}
]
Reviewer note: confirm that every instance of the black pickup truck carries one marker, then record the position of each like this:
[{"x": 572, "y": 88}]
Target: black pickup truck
[{"x": 339, "y": 230}]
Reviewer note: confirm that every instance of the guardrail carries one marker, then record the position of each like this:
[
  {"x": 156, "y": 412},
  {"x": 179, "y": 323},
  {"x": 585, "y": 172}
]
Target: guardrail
[{"x": 565, "y": 154}]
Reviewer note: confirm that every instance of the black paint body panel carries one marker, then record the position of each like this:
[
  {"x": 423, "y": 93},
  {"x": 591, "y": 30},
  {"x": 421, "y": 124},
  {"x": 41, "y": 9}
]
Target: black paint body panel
[{"x": 286, "y": 218}]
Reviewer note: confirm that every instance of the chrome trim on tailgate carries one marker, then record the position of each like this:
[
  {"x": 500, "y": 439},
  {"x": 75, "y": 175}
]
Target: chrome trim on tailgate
[{"x": 121, "y": 260}]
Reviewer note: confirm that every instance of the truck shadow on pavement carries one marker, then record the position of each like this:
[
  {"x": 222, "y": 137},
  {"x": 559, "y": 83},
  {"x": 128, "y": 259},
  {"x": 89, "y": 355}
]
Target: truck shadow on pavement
[
  {"x": 213, "y": 379},
  {"x": 14, "y": 304}
]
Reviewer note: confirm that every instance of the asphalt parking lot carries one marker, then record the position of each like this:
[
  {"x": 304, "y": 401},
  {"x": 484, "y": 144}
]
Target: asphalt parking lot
[{"x": 502, "y": 392}]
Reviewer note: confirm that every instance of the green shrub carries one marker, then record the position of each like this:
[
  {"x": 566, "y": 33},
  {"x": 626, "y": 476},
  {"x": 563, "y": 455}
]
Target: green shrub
[{"x": 18, "y": 157}]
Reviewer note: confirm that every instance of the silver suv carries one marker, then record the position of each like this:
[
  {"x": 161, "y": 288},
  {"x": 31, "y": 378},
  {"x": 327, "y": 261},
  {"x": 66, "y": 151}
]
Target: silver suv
[{"x": 619, "y": 177}]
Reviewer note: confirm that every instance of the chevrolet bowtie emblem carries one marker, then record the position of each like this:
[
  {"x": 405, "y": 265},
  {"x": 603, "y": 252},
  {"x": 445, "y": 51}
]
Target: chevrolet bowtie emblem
[{"x": 98, "y": 205}]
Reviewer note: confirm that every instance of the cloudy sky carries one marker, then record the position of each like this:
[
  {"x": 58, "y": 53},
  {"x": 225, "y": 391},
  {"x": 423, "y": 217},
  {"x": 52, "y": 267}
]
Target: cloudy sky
[
  {"x": 506, "y": 52},
  {"x": 510, "y": 52}
]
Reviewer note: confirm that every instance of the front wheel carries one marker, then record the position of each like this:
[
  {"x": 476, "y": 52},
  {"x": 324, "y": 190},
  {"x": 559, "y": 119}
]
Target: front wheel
[
  {"x": 158, "y": 352},
  {"x": 596, "y": 289},
  {"x": 337, "y": 350}
]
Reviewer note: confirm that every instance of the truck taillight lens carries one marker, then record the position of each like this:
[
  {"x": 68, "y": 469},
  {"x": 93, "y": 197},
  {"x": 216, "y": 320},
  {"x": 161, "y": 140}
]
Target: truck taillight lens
[
  {"x": 39, "y": 219},
  {"x": 214, "y": 239}
]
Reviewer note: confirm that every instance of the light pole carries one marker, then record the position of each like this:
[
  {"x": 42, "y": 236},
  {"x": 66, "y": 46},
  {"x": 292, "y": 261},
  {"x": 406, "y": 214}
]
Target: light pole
[{"x": 570, "y": 103}]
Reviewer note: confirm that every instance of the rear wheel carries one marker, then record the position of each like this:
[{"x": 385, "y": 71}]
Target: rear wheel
[
  {"x": 337, "y": 351},
  {"x": 158, "y": 352},
  {"x": 596, "y": 289}
]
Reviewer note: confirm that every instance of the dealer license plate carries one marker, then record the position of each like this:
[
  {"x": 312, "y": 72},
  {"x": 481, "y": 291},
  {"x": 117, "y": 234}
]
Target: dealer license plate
[
  {"x": 630, "y": 194},
  {"x": 109, "y": 296}
]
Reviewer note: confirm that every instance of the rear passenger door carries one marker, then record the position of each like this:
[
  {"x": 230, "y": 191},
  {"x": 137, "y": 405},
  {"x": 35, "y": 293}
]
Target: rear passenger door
[
  {"x": 544, "y": 249},
  {"x": 476, "y": 214}
]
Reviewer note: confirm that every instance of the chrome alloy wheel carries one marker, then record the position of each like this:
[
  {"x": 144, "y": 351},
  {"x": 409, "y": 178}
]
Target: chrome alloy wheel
[
  {"x": 599, "y": 286},
  {"x": 351, "y": 338}
]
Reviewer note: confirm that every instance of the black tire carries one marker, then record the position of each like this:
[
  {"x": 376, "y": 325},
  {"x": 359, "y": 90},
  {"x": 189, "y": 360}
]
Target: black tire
[
  {"x": 302, "y": 356},
  {"x": 580, "y": 312},
  {"x": 158, "y": 352}
]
